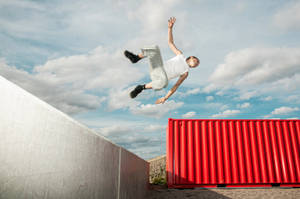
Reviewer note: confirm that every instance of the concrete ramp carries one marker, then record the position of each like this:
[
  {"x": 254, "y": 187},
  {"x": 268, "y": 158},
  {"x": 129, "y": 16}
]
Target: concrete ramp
[{"x": 46, "y": 154}]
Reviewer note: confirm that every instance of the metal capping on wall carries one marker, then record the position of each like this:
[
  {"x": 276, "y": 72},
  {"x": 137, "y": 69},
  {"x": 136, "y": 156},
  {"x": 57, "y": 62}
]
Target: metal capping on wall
[{"x": 233, "y": 153}]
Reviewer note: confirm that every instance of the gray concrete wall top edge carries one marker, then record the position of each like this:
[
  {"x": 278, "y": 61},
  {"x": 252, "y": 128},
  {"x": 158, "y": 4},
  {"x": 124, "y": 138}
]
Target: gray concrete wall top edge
[{"x": 134, "y": 155}]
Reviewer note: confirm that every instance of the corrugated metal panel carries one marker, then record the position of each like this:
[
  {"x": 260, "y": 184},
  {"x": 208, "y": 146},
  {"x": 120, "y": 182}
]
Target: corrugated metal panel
[{"x": 233, "y": 153}]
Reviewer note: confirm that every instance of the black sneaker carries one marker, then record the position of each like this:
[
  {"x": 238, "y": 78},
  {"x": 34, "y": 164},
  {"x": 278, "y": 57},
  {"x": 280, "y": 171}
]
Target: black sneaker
[
  {"x": 132, "y": 57},
  {"x": 136, "y": 91}
]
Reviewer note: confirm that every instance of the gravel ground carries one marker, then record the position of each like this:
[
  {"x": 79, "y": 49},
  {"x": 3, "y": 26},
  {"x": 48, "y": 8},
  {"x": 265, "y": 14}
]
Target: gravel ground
[
  {"x": 160, "y": 192},
  {"x": 158, "y": 167}
]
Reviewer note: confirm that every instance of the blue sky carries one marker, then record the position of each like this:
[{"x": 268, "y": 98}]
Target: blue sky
[{"x": 70, "y": 54}]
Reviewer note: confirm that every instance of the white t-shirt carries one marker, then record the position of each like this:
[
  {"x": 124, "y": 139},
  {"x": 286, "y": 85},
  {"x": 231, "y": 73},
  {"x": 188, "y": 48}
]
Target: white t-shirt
[{"x": 176, "y": 66}]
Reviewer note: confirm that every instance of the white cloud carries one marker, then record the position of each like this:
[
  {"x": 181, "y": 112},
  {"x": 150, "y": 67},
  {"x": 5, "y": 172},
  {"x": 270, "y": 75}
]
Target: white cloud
[
  {"x": 268, "y": 70},
  {"x": 68, "y": 100},
  {"x": 254, "y": 66},
  {"x": 66, "y": 81},
  {"x": 137, "y": 138},
  {"x": 284, "y": 110},
  {"x": 246, "y": 95},
  {"x": 210, "y": 88},
  {"x": 215, "y": 105},
  {"x": 154, "y": 18},
  {"x": 153, "y": 127},
  {"x": 288, "y": 17},
  {"x": 58, "y": 28},
  {"x": 269, "y": 98},
  {"x": 192, "y": 91},
  {"x": 209, "y": 98},
  {"x": 224, "y": 107},
  {"x": 227, "y": 113},
  {"x": 240, "y": 6},
  {"x": 115, "y": 130},
  {"x": 189, "y": 114},
  {"x": 156, "y": 110},
  {"x": 292, "y": 98},
  {"x": 98, "y": 69},
  {"x": 120, "y": 99},
  {"x": 274, "y": 118},
  {"x": 244, "y": 105}
]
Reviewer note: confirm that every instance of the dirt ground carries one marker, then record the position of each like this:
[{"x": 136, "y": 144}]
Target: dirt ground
[
  {"x": 161, "y": 192},
  {"x": 157, "y": 170}
]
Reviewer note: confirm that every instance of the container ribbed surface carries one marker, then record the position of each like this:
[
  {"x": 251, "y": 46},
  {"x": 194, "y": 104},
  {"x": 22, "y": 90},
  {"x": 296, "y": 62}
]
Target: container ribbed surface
[{"x": 228, "y": 152}]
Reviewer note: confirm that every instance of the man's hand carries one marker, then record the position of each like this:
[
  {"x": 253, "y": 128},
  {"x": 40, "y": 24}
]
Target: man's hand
[
  {"x": 171, "y": 22},
  {"x": 161, "y": 100}
]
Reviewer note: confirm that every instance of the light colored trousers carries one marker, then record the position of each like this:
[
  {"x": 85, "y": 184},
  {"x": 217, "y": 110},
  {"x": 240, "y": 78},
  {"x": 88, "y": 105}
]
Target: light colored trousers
[{"x": 157, "y": 72}]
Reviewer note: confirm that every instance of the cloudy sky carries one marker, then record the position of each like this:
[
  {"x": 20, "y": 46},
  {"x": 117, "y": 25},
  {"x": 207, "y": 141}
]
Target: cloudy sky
[{"x": 70, "y": 54}]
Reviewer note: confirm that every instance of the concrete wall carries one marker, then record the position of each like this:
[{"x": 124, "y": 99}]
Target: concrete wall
[
  {"x": 46, "y": 154},
  {"x": 157, "y": 169}
]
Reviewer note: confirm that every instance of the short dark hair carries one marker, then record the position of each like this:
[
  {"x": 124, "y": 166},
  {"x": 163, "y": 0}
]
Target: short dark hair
[{"x": 193, "y": 57}]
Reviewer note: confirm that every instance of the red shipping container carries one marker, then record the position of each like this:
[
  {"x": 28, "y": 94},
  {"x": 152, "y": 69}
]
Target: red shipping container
[{"x": 233, "y": 153}]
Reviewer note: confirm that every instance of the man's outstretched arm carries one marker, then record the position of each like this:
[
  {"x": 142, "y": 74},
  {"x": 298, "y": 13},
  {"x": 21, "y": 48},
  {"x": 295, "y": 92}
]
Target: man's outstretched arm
[
  {"x": 173, "y": 89},
  {"x": 171, "y": 22}
]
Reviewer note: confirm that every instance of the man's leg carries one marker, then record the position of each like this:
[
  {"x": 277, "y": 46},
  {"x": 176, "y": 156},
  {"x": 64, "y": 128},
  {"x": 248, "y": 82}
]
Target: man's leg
[
  {"x": 141, "y": 55},
  {"x": 148, "y": 86},
  {"x": 133, "y": 57},
  {"x": 139, "y": 88},
  {"x": 157, "y": 72}
]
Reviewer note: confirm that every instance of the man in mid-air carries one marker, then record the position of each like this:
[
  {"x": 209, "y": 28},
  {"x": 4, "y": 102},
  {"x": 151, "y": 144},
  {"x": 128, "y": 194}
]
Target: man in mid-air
[{"x": 162, "y": 72}]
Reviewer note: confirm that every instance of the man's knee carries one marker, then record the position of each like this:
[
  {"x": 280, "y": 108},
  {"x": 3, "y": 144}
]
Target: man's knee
[{"x": 160, "y": 84}]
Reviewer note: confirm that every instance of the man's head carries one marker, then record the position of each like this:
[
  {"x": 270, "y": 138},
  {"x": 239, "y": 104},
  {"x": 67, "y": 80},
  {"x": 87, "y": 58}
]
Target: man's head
[{"x": 193, "y": 61}]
